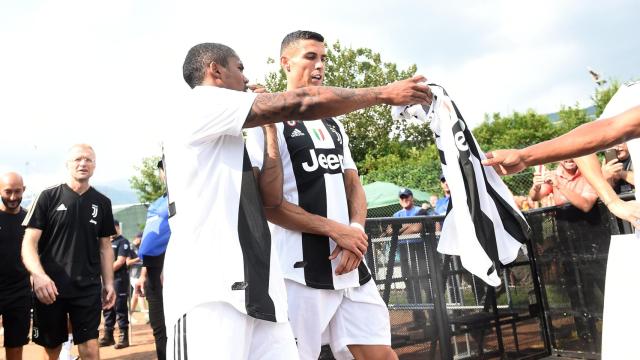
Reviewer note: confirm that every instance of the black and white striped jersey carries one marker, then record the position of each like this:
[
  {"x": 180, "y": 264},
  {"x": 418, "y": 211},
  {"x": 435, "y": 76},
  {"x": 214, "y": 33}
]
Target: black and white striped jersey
[
  {"x": 220, "y": 248},
  {"x": 483, "y": 224},
  {"x": 314, "y": 155}
]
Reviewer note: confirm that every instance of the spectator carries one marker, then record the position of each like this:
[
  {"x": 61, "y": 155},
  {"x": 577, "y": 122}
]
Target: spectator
[
  {"x": 433, "y": 199},
  {"x": 67, "y": 250},
  {"x": 134, "y": 263},
  {"x": 619, "y": 172},
  {"x": 152, "y": 250},
  {"x": 406, "y": 201},
  {"x": 443, "y": 203},
  {"x": 568, "y": 186},
  {"x": 120, "y": 312},
  {"x": 412, "y": 252},
  {"x": 15, "y": 290}
]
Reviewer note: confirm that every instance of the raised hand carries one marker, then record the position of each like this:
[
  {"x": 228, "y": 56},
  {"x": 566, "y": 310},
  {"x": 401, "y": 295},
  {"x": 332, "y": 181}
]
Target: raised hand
[
  {"x": 407, "y": 92},
  {"x": 505, "y": 162}
]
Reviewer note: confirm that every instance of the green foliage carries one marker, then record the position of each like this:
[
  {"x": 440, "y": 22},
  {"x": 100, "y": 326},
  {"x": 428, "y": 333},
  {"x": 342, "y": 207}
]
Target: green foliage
[
  {"x": 517, "y": 130},
  {"x": 148, "y": 185},
  {"x": 603, "y": 95},
  {"x": 416, "y": 169},
  {"x": 372, "y": 131},
  {"x": 571, "y": 118}
]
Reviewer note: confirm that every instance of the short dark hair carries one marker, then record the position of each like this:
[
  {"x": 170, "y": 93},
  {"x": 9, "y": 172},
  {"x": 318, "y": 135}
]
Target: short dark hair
[
  {"x": 201, "y": 56},
  {"x": 299, "y": 35}
]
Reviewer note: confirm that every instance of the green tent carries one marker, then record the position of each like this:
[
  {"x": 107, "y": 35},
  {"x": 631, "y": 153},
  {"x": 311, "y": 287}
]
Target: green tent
[
  {"x": 382, "y": 198},
  {"x": 132, "y": 218}
]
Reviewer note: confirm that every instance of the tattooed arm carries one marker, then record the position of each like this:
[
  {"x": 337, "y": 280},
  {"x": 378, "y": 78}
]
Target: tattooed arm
[{"x": 318, "y": 102}]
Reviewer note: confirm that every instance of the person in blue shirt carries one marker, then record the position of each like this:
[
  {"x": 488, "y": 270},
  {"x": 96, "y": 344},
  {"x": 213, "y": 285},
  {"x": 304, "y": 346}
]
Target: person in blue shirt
[
  {"x": 152, "y": 249},
  {"x": 409, "y": 251},
  {"x": 443, "y": 203},
  {"x": 406, "y": 201}
]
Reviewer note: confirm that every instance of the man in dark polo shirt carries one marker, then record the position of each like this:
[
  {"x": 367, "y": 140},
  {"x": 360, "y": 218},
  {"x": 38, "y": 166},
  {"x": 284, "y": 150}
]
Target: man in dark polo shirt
[
  {"x": 15, "y": 290},
  {"x": 67, "y": 250},
  {"x": 121, "y": 251}
]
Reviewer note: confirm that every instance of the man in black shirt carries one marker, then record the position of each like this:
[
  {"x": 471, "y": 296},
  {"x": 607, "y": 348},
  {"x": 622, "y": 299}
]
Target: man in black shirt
[
  {"x": 121, "y": 251},
  {"x": 15, "y": 290},
  {"x": 67, "y": 250}
]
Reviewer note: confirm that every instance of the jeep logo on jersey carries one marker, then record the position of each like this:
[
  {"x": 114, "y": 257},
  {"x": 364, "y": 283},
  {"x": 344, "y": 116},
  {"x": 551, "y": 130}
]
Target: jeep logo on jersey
[
  {"x": 94, "y": 211},
  {"x": 329, "y": 162}
]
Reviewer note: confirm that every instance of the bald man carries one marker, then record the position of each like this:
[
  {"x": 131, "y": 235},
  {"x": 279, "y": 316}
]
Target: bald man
[
  {"x": 67, "y": 250},
  {"x": 15, "y": 290}
]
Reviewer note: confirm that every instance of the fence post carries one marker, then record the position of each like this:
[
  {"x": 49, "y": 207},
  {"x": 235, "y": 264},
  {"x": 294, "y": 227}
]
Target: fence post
[{"x": 439, "y": 301}]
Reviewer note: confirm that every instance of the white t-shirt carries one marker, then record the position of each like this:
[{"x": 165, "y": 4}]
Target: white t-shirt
[
  {"x": 314, "y": 155},
  {"x": 627, "y": 97},
  {"x": 220, "y": 247}
]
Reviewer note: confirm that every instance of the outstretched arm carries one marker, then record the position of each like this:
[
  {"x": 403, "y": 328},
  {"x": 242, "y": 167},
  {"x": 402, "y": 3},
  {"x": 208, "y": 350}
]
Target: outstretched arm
[
  {"x": 317, "y": 102},
  {"x": 590, "y": 169},
  {"x": 583, "y": 140}
]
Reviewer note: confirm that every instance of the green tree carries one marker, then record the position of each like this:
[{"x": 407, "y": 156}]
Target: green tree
[
  {"x": 371, "y": 131},
  {"x": 570, "y": 118},
  {"x": 147, "y": 184},
  {"x": 418, "y": 169},
  {"x": 517, "y": 130},
  {"x": 603, "y": 95}
]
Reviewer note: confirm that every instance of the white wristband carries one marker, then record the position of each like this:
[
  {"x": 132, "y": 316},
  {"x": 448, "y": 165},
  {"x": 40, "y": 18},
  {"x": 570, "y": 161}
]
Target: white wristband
[{"x": 357, "y": 225}]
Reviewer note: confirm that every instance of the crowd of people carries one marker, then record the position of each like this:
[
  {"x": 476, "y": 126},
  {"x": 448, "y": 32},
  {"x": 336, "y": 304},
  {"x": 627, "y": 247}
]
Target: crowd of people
[
  {"x": 270, "y": 231},
  {"x": 278, "y": 293}
]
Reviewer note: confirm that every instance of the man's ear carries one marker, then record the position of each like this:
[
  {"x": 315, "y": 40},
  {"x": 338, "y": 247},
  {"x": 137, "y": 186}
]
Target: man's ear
[
  {"x": 213, "y": 70},
  {"x": 284, "y": 62}
]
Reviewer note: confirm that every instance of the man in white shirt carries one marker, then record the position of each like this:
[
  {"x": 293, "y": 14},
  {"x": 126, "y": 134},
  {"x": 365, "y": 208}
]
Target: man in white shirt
[
  {"x": 331, "y": 296},
  {"x": 220, "y": 236}
]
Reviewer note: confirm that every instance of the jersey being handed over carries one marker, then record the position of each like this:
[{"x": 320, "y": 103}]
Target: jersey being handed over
[{"x": 314, "y": 155}]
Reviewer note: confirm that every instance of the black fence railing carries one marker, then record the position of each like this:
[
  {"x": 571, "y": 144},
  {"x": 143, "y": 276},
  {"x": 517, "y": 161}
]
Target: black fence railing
[{"x": 550, "y": 301}]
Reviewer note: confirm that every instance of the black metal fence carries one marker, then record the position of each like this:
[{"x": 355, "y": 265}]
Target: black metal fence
[{"x": 550, "y": 301}]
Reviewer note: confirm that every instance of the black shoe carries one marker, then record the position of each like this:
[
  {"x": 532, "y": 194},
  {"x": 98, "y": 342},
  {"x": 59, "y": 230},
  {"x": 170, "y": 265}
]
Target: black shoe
[
  {"x": 123, "y": 340},
  {"x": 107, "y": 339}
]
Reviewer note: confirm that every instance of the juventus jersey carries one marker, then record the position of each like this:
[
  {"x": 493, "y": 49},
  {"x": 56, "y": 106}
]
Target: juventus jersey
[
  {"x": 314, "y": 155},
  {"x": 220, "y": 247},
  {"x": 482, "y": 224},
  {"x": 69, "y": 247}
]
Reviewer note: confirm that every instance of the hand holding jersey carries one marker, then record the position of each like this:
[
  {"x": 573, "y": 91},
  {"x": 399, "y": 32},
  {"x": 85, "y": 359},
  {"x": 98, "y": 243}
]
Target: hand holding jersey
[
  {"x": 620, "y": 122},
  {"x": 217, "y": 209}
]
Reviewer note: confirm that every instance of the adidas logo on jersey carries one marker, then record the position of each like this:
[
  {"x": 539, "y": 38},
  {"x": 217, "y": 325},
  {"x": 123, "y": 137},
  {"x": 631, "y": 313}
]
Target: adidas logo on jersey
[
  {"x": 328, "y": 162},
  {"x": 61, "y": 208},
  {"x": 296, "y": 133}
]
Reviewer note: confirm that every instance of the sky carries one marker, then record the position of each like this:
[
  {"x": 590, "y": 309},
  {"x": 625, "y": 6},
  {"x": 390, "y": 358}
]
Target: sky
[{"x": 108, "y": 73}]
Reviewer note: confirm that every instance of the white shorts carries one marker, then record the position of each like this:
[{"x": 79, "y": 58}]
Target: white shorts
[
  {"x": 354, "y": 316},
  {"x": 217, "y": 330}
]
